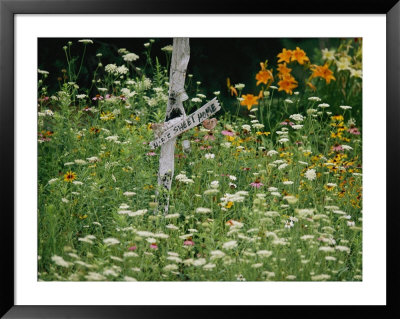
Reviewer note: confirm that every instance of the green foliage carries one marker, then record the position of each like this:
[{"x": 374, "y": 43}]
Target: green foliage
[{"x": 272, "y": 194}]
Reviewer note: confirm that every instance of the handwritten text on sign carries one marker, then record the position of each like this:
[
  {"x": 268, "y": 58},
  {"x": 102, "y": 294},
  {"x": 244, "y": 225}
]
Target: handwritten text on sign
[{"x": 189, "y": 122}]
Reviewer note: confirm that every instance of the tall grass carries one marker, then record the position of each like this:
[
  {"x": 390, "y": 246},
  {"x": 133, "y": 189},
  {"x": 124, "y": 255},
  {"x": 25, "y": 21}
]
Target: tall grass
[{"x": 271, "y": 194}]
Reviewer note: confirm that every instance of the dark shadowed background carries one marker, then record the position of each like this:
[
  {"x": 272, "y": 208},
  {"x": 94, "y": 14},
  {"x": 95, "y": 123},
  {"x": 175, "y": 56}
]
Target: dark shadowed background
[{"x": 212, "y": 60}]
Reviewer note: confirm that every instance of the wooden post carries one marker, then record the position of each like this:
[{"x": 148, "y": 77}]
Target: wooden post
[{"x": 179, "y": 62}]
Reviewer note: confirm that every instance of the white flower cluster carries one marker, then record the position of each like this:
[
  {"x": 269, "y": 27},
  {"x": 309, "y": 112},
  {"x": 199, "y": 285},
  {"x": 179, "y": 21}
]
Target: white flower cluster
[
  {"x": 297, "y": 117},
  {"x": 43, "y": 72},
  {"x": 167, "y": 48},
  {"x": 130, "y": 57},
  {"x": 86, "y": 41},
  {"x": 237, "y": 197},
  {"x": 310, "y": 174},
  {"x": 116, "y": 70},
  {"x": 183, "y": 178}
]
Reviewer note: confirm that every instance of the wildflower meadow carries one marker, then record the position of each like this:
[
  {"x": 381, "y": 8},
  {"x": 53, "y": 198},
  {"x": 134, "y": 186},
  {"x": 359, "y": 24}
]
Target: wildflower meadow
[{"x": 267, "y": 189}]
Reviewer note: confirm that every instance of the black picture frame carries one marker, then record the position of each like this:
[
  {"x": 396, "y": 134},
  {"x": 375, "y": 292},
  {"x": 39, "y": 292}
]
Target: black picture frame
[{"x": 8, "y": 10}]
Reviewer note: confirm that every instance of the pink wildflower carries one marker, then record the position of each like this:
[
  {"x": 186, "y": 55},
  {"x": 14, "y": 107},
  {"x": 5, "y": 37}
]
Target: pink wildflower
[
  {"x": 188, "y": 243},
  {"x": 227, "y": 133},
  {"x": 151, "y": 154},
  {"x": 209, "y": 137},
  {"x": 97, "y": 97},
  {"x": 337, "y": 148},
  {"x": 180, "y": 156},
  {"x": 354, "y": 130},
  {"x": 287, "y": 122},
  {"x": 256, "y": 184},
  {"x": 132, "y": 248},
  {"x": 154, "y": 246}
]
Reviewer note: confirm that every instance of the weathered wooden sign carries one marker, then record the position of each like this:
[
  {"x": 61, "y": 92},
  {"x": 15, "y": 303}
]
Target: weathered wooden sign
[
  {"x": 186, "y": 122},
  {"x": 176, "y": 121}
]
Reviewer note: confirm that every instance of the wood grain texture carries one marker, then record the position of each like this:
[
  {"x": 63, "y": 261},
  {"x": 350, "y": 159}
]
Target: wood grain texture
[{"x": 179, "y": 62}]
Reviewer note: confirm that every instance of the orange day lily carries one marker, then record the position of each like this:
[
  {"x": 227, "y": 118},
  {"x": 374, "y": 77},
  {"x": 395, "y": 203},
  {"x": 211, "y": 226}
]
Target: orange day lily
[
  {"x": 285, "y": 56},
  {"x": 299, "y": 55},
  {"x": 283, "y": 70},
  {"x": 311, "y": 86},
  {"x": 264, "y": 76},
  {"x": 287, "y": 84},
  {"x": 231, "y": 88},
  {"x": 323, "y": 72},
  {"x": 249, "y": 100}
]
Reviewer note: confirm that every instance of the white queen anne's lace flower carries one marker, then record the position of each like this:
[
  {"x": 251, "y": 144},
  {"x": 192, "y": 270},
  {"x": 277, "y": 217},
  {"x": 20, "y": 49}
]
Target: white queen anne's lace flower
[
  {"x": 167, "y": 48},
  {"x": 310, "y": 174},
  {"x": 111, "y": 68},
  {"x": 314, "y": 99},
  {"x": 111, "y": 241},
  {"x": 86, "y": 41},
  {"x": 43, "y": 72},
  {"x": 122, "y": 69},
  {"x": 230, "y": 244},
  {"x": 60, "y": 261},
  {"x": 203, "y": 210},
  {"x": 297, "y": 117},
  {"x": 130, "y": 57}
]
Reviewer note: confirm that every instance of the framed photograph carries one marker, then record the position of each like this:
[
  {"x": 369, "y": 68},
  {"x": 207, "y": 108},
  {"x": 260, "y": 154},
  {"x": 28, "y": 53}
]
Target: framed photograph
[{"x": 159, "y": 155}]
